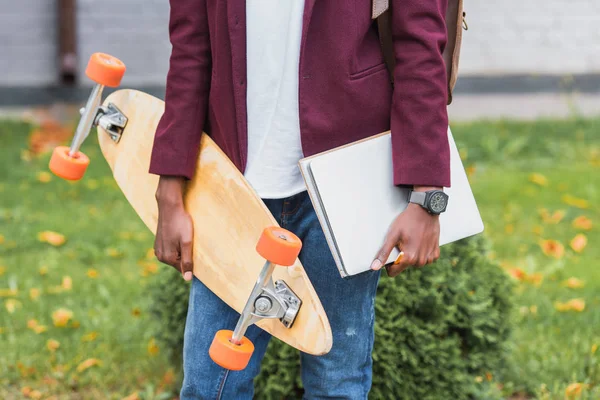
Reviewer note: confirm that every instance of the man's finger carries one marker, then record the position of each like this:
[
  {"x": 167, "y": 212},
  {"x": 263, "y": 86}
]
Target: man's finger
[
  {"x": 186, "y": 262},
  {"x": 383, "y": 254}
]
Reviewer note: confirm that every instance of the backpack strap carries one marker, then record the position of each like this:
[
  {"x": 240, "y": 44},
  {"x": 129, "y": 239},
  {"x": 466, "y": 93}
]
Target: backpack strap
[
  {"x": 384, "y": 26},
  {"x": 455, "y": 22}
]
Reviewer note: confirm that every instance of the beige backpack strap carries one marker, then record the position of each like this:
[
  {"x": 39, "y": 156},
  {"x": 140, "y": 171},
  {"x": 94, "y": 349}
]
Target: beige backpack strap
[
  {"x": 455, "y": 22},
  {"x": 384, "y": 26}
]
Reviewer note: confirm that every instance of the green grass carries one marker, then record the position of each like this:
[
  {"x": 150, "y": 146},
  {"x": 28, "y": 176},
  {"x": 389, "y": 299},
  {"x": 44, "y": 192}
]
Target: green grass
[{"x": 551, "y": 349}]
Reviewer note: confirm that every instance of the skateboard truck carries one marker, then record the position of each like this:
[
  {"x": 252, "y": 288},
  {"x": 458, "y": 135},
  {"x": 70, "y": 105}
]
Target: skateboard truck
[
  {"x": 231, "y": 349},
  {"x": 105, "y": 70}
]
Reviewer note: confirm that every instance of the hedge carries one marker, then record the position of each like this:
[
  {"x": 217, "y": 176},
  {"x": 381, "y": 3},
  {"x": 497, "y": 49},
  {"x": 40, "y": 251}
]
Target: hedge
[{"x": 442, "y": 332}]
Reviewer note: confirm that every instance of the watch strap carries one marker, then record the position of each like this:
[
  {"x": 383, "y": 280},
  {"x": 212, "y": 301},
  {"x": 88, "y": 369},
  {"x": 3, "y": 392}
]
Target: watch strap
[{"x": 417, "y": 197}]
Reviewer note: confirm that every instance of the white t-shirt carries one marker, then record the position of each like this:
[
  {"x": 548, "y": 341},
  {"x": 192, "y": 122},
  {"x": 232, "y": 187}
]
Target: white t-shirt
[{"x": 273, "y": 33}]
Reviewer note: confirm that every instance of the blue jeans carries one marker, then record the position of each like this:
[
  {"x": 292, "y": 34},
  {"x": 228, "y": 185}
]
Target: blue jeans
[{"x": 343, "y": 373}]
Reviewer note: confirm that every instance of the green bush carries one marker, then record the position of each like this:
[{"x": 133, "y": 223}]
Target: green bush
[{"x": 441, "y": 332}]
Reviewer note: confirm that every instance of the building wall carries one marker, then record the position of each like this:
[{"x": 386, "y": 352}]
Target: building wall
[{"x": 505, "y": 37}]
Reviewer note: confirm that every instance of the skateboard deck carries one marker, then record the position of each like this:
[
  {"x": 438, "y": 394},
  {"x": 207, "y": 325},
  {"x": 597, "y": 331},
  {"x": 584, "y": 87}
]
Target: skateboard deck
[{"x": 228, "y": 220}]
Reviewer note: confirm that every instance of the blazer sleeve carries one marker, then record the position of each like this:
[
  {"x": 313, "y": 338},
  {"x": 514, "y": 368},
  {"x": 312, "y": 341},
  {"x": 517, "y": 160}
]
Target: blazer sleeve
[
  {"x": 419, "y": 117},
  {"x": 177, "y": 139}
]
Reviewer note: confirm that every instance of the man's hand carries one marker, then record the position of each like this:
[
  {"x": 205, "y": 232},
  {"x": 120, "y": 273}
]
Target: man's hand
[
  {"x": 175, "y": 231},
  {"x": 416, "y": 233}
]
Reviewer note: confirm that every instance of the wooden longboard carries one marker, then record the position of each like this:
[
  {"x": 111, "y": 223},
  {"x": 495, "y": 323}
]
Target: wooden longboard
[{"x": 228, "y": 220}]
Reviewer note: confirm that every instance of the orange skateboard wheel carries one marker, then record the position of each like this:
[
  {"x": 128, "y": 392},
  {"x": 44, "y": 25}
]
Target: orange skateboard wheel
[
  {"x": 105, "y": 69},
  {"x": 279, "y": 246},
  {"x": 67, "y": 167},
  {"x": 229, "y": 355}
]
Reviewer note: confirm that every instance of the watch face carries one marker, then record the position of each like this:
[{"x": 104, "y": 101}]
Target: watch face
[{"x": 438, "y": 202}]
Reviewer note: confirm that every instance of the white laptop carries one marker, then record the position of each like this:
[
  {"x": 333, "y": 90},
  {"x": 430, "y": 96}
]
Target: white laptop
[{"x": 352, "y": 190}]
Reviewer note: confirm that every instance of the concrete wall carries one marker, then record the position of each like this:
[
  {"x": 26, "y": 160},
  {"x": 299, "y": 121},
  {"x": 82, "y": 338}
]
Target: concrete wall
[{"x": 505, "y": 37}]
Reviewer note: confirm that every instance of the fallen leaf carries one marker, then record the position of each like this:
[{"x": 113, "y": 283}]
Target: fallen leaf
[
  {"x": 153, "y": 348},
  {"x": 125, "y": 235},
  {"x": 136, "y": 312},
  {"x": 594, "y": 348},
  {"x": 509, "y": 228},
  {"x": 552, "y": 218},
  {"x": 52, "y": 238},
  {"x": 12, "y": 305},
  {"x": 150, "y": 254},
  {"x": 43, "y": 270},
  {"x": 573, "y": 283},
  {"x": 92, "y": 273},
  {"x": 40, "y": 329},
  {"x": 132, "y": 396},
  {"x": 574, "y": 390},
  {"x": 34, "y": 293},
  {"x": 114, "y": 253},
  {"x": 535, "y": 278},
  {"x": 61, "y": 317},
  {"x": 571, "y": 305},
  {"x": 44, "y": 177},
  {"x": 90, "y": 362},
  {"x": 2, "y": 270},
  {"x": 92, "y": 184},
  {"x": 52, "y": 345},
  {"x": 517, "y": 273},
  {"x": 575, "y": 201},
  {"x": 8, "y": 292},
  {"x": 579, "y": 242},
  {"x": 47, "y": 136},
  {"x": 533, "y": 309},
  {"x": 552, "y": 248},
  {"x": 582, "y": 222},
  {"x": 90, "y": 337},
  {"x": 148, "y": 268},
  {"x": 32, "y": 323},
  {"x": 67, "y": 283},
  {"x": 478, "y": 379},
  {"x": 470, "y": 170},
  {"x": 538, "y": 179},
  {"x": 1, "y": 239}
]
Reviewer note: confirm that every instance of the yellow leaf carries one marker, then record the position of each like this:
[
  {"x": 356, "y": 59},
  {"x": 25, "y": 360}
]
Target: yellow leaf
[
  {"x": 125, "y": 235},
  {"x": 470, "y": 170},
  {"x": 553, "y": 218},
  {"x": 12, "y": 305},
  {"x": 535, "y": 278},
  {"x": 90, "y": 337},
  {"x": 132, "y": 396},
  {"x": 52, "y": 345},
  {"x": 2, "y": 270},
  {"x": 92, "y": 184},
  {"x": 44, "y": 177},
  {"x": 2, "y": 330},
  {"x": 61, "y": 317},
  {"x": 517, "y": 273},
  {"x": 571, "y": 305},
  {"x": 92, "y": 273},
  {"x": 67, "y": 283},
  {"x": 114, "y": 253},
  {"x": 149, "y": 268},
  {"x": 40, "y": 329},
  {"x": 574, "y": 390},
  {"x": 34, "y": 293},
  {"x": 478, "y": 379},
  {"x": 43, "y": 270},
  {"x": 52, "y": 238},
  {"x": 153, "y": 347},
  {"x": 1, "y": 239},
  {"x": 150, "y": 254},
  {"x": 509, "y": 228},
  {"x": 594, "y": 348},
  {"x": 136, "y": 312},
  {"x": 8, "y": 292},
  {"x": 552, "y": 248},
  {"x": 75, "y": 324},
  {"x": 533, "y": 309},
  {"x": 32, "y": 323},
  {"x": 582, "y": 222},
  {"x": 575, "y": 201},
  {"x": 464, "y": 153},
  {"x": 579, "y": 242},
  {"x": 538, "y": 179},
  {"x": 574, "y": 283},
  {"x": 35, "y": 395},
  {"x": 90, "y": 362}
]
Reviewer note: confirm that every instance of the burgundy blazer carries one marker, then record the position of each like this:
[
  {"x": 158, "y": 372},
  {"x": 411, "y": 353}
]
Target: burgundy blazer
[{"x": 344, "y": 89}]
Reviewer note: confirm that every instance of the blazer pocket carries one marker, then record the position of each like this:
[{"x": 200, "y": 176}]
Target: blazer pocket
[{"x": 368, "y": 72}]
